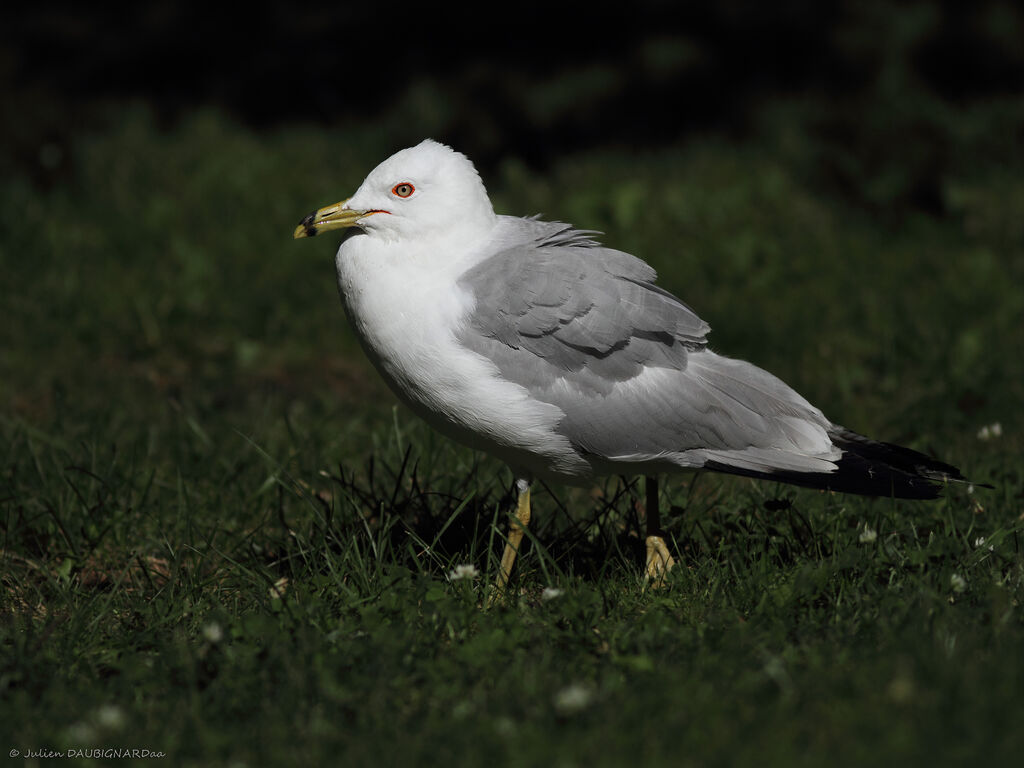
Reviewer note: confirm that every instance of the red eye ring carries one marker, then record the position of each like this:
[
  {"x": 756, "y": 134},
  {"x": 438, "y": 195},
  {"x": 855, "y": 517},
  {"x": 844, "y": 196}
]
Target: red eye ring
[{"x": 404, "y": 189}]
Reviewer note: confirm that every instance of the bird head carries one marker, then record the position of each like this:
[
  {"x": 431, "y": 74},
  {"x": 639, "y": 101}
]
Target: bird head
[{"x": 426, "y": 191}]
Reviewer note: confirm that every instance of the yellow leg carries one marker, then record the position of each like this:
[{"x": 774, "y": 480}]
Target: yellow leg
[
  {"x": 659, "y": 559},
  {"x": 516, "y": 529}
]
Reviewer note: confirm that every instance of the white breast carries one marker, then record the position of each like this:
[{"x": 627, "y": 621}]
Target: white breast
[{"x": 406, "y": 308}]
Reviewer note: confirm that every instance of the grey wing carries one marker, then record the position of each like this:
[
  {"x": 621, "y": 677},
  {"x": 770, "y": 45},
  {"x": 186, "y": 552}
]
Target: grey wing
[
  {"x": 584, "y": 327},
  {"x": 587, "y": 315}
]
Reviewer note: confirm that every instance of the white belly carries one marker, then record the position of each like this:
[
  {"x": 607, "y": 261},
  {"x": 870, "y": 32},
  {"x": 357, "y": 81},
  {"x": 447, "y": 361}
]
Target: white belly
[{"x": 406, "y": 312}]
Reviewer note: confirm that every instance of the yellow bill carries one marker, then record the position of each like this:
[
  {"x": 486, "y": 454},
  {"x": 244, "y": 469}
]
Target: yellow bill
[{"x": 330, "y": 217}]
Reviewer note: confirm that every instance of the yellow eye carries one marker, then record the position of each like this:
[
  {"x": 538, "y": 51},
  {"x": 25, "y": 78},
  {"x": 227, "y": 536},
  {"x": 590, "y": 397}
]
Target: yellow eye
[{"x": 403, "y": 190}]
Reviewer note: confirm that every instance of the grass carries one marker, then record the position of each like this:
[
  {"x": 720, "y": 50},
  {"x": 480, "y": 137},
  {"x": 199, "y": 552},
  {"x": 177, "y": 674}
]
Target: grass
[{"x": 221, "y": 542}]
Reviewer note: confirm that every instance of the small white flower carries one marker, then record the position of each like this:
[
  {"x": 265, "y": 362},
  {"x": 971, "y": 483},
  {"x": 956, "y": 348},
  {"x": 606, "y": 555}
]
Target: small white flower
[
  {"x": 277, "y": 591},
  {"x": 110, "y": 717},
  {"x": 213, "y": 632},
  {"x": 463, "y": 572},
  {"x": 989, "y": 431},
  {"x": 868, "y": 535},
  {"x": 550, "y": 593},
  {"x": 980, "y": 542},
  {"x": 572, "y": 699},
  {"x": 958, "y": 583}
]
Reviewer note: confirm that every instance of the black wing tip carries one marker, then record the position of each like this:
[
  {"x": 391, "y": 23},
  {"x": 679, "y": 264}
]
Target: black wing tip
[
  {"x": 870, "y": 468},
  {"x": 895, "y": 458},
  {"x": 849, "y": 477}
]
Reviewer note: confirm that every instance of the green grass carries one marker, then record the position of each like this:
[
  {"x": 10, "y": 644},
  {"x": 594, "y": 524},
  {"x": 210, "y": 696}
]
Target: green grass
[{"x": 222, "y": 542}]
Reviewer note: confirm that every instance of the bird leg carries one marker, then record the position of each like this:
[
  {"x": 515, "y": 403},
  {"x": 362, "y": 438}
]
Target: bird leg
[
  {"x": 659, "y": 560},
  {"x": 516, "y": 529}
]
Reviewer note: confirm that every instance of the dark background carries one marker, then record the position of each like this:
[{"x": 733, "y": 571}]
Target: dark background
[{"x": 867, "y": 85}]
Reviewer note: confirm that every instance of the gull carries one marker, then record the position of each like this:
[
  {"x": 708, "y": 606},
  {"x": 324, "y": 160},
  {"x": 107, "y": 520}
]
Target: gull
[{"x": 532, "y": 341}]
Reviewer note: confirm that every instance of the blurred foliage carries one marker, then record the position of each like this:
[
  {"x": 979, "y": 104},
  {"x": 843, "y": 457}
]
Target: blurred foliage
[{"x": 882, "y": 102}]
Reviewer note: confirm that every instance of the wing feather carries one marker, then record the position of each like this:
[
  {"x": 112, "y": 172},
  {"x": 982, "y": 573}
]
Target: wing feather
[
  {"x": 567, "y": 300},
  {"x": 584, "y": 327}
]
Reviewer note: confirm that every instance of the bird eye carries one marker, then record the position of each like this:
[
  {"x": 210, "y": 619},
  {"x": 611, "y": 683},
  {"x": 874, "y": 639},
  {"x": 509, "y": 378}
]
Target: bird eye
[{"x": 403, "y": 190}]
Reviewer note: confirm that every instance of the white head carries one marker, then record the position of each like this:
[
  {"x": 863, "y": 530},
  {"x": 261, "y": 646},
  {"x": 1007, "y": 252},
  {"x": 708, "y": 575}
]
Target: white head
[{"x": 429, "y": 191}]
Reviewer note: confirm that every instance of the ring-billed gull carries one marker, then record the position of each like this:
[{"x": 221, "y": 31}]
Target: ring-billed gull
[{"x": 532, "y": 341}]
